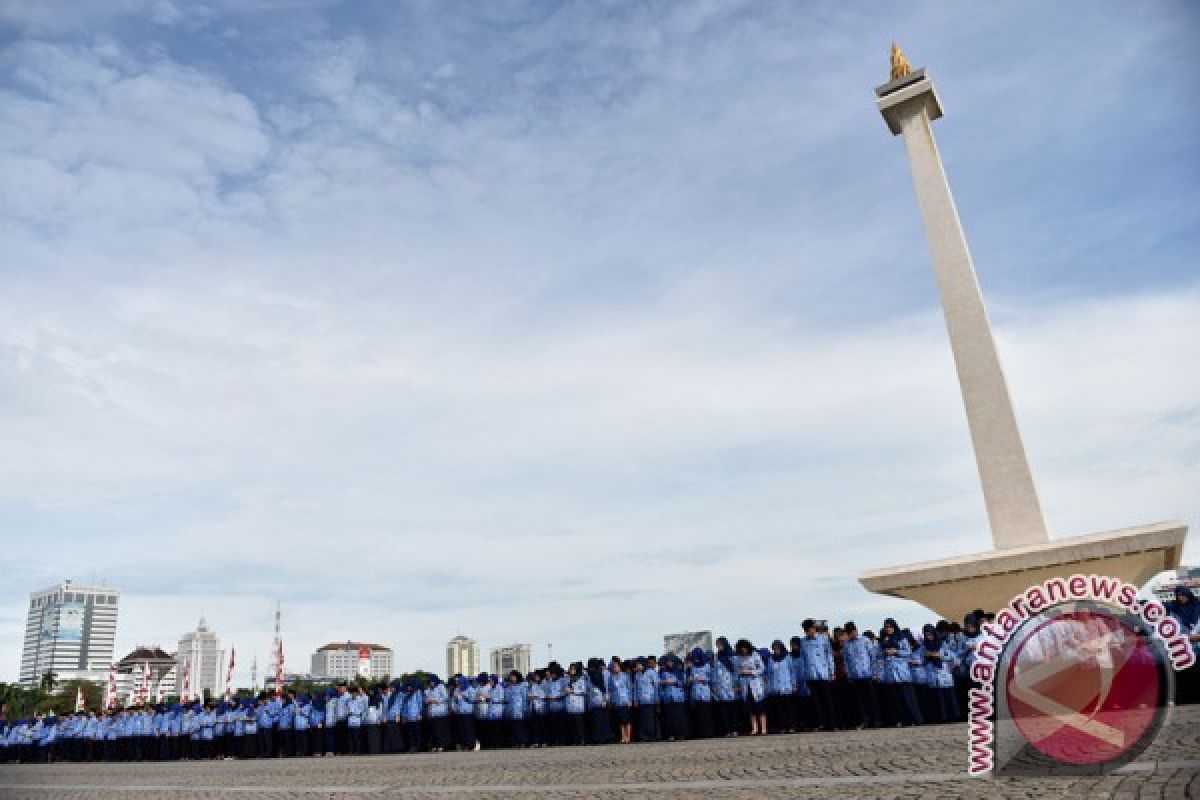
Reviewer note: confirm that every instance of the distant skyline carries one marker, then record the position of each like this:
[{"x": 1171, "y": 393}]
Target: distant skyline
[{"x": 577, "y": 322}]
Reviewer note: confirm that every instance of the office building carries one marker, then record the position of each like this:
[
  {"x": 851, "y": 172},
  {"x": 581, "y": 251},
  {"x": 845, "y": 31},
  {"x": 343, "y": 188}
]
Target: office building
[
  {"x": 146, "y": 675},
  {"x": 513, "y": 656},
  {"x": 200, "y": 655},
  {"x": 70, "y": 630},
  {"x": 462, "y": 656},
  {"x": 348, "y": 660}
]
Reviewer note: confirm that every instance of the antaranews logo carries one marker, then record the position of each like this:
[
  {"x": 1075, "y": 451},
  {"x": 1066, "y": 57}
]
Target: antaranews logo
[{"x": 1075, "y": 675}]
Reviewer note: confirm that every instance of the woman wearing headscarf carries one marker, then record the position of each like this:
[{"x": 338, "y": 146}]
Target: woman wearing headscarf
[
  {"x": 599, "y": 713},
  {"x": 939, "y": 675},
  {"x": 555, "y": 687},
  {"x": 516, "y": 709},
  {"x": 372, "y": 723},
  {"x": 437, "y": 711},
  {"x": 699, "y": 681},
  {"x": 537, "y": 708},
  {"x": 964, "y": 657},
  {"x": 620, "y": 693},
  {"x": 750, "y": 685},
  {"x": 300, "y": 726},
  {"x": 414, "y": 708},
  {"x": 483, "y": 728},
  {"x": 726, "y": 713},
  {"x": 316, "y": 724},
  {"x": 462, "y": 708},
  {"x": 672, "y": 683},
  {"x": 1186, "y": 612},
  {"x": 899, "y": 702},
  {"x": 780, "y": 689},
  {"x": 802, "y": 703},
  {"x": 497, "y": 705},
  {"x": 645, "y": 699},
  {"x": 576, "y": 703},
  {"x": 919, "y": 676}
]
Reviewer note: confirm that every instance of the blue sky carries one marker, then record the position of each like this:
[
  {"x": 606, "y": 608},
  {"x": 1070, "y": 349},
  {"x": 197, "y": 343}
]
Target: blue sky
[{"x": 574, "y": 323}]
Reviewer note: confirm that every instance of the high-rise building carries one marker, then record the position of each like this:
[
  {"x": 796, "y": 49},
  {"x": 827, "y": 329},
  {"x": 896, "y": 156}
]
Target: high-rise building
[
  {"x": 506, "y": 659},
  {"x": 201, "y": 657},
  {"x": 70, "y": 631},
  {"x": 348, "y": 660},
  {"x": 681, "y": 644},
  {"x": 462, "y": 656}
]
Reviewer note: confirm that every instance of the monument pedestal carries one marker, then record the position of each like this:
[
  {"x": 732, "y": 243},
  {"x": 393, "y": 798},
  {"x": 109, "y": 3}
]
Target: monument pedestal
[{"x": 953, "y": 587}]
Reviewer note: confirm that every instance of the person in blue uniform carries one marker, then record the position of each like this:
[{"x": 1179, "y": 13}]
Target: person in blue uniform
[
  {"x": 373, "y": 723},
  {"x": 340, "y": 708},
  {"x": 818, "y": 665},
  {"x": 414, "y": 708},
  {"x": 599, "y": 713},
  {"x": 672, "y": 694},
  {"x": 751, "y": 686},
  {"x": 938, "y": 663},
  {"x": 1186, "y": 611},
  {"x": 700, "y": 694},
  {"x": 556, "y": 707},
  {"x": 437, "y": 711},
  {"x": 858, "y": 659},
  {"x": 537, "y": 707},
  {"x": 316, "y": 724},
  {"x": 483, "y": 728},
  {"x": 727, "y": 714},
  {"x": 516, "y": 710},
  {"x": 393, "y": 710},
  {"x": 576, "y": 692},
  {"x": 645, "y": 699},
  {"x": 285, "y": 732},
  {"x": 331, "y": 721},
  {"x": 620, "y": 694},
  {"x": 497, "y": 706},
  {"x": 356, "y": 712},
  {"x": 780, "y": 689},
  {"x": 462, "y": 713},
  {"x": 899, "y": 702},
  {"x": 964, "y": 658},
  {"x": 301, "y": 721}
]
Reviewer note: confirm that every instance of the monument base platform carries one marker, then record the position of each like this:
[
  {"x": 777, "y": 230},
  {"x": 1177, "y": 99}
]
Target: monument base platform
[{"x": 953, "y": 587}]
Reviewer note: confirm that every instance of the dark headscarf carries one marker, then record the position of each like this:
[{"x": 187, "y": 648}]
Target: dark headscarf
[
  {"x": 892, "y": 640},
  {"x": 725, "y": 653},
  {"x": 1187, "y": 613},
  {"x": 936, "y": 644},
  {"x": 783, "y": 651}
]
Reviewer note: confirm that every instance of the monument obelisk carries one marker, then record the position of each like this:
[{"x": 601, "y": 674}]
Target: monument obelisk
[
  {"x": 1023, "y": 552},
  {"x": 909, "y": 104}
]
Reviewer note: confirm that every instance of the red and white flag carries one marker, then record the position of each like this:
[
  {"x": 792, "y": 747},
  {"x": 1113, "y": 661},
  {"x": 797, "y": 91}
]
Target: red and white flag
[
  {"x": 185, "y": 693},
  {"x": 279, "y": 669},
  {"x": 229, "y": 674},
  {"x": 110, "y": 701},
  {"x": 144, "y": 690},
  {"x": 80, "y": 702}
]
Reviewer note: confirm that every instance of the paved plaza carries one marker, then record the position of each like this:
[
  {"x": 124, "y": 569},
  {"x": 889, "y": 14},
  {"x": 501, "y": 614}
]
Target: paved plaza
[{"x": 909, "y": 763}]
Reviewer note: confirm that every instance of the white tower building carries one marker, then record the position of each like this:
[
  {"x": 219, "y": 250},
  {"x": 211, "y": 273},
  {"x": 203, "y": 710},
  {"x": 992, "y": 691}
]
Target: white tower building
[{"x": 201, "y": 656}]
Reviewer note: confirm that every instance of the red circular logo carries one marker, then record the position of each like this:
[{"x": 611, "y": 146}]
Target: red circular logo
[{"x": 1083, "y": 687}]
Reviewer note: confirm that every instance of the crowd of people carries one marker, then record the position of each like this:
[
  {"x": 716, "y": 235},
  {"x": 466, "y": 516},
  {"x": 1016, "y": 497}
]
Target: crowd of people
[{"x": 821, "y": 680}]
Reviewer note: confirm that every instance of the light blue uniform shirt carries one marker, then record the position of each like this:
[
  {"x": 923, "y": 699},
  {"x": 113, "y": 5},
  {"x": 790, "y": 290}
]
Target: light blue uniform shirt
[
  {"x": 818, "y": 658},
  {"x": 577, "y": 692},
  {"x": 858, "y": 659},
  {"x": 645, "y": 688},
  {"x": 620, "y": 689},
  {"x": 779, "y": 676}
]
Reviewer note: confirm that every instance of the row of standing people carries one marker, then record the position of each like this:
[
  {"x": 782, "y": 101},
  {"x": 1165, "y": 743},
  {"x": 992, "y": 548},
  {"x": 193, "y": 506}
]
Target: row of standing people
[{"x": 816, "y": 681}]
